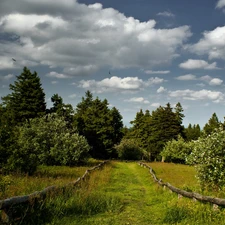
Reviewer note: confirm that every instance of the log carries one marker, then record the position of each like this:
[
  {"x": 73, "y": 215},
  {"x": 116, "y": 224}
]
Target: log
[{"x": 180, "y": 192}]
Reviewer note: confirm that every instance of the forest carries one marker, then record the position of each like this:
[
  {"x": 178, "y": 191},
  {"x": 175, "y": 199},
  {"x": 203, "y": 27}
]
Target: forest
[{"x": 32, "y": 134}]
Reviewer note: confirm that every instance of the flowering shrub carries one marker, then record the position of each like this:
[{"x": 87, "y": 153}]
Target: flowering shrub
[
  {"x": 176, "y": 150},
  {"x": 208, "y": 155},
  {"x": 46, "y": 140}
]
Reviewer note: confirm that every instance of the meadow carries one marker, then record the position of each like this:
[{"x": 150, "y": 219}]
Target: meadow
[{"x": 125, "y": 193}]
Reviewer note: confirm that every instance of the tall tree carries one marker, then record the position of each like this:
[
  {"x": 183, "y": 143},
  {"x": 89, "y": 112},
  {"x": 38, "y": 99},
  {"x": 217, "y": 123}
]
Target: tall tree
[
  {"x": 27, "y": 99},
  {"x": 212, "y": 124},
  {"x": 101, "y": 126},
  {"x": 62, "y": 109}
]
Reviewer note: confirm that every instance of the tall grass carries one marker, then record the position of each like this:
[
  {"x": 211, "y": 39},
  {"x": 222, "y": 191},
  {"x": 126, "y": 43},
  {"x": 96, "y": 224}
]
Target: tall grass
[{"x": 20, "y": 184}]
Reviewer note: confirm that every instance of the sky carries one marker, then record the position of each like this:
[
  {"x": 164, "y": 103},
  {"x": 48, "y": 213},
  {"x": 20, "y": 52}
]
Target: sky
[{"x": 138, "y": 54}]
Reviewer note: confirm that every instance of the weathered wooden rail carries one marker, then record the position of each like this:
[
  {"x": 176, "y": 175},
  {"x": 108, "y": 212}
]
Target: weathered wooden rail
[
  {"x": 7, "y": 205},
  {"x": 180, "y": 192}
]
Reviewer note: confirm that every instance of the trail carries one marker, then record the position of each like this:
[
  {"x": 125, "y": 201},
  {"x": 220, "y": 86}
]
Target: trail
[{"x": 144, "y": 202}]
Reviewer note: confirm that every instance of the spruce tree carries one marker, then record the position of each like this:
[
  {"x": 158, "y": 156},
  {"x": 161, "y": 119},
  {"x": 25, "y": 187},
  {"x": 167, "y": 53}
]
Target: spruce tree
[
  {"x": 212, "y": 124},
  {"x": 27, "y": 99},
  {"x": 101, "y": 126}
]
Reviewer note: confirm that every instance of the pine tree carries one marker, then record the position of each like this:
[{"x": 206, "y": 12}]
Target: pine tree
[
  {"x": 101, "y": 126},
  {"x": 212, "y": 124},
  {"x": 27, "y": 99}
]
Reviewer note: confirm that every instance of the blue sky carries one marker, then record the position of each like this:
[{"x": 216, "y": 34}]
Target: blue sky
[{"x": 138, "y": 54}]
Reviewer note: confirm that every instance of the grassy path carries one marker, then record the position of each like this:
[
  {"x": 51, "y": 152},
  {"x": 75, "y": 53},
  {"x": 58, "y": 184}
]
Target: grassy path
[
  {"x": 125, "y": 194},
  {"x": 141, "y": 200}
]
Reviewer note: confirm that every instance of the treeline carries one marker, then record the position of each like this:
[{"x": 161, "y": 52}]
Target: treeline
[{"x": 31, "y": 134}]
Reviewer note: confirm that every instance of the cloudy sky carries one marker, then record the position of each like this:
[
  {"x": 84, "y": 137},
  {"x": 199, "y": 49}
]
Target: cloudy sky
[{"x": 136, "y": 53}]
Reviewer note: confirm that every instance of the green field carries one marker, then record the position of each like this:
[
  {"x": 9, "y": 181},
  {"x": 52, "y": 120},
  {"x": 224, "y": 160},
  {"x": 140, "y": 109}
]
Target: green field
[{"x": 124, "y": 193}]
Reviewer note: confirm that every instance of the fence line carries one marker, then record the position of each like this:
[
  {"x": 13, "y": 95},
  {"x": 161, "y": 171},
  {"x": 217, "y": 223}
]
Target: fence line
[
  {"x": 180, "y": 192},
  {"x": 6, "y": 204}
]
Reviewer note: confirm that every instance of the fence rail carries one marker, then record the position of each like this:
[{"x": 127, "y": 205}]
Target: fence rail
[
  {"x": 193, "y": 195},
  {"x": 7, "y": 204}
]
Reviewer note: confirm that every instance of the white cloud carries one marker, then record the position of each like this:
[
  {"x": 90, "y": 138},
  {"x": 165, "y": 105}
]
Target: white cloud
[
  {"x": 211, "y": 81},
  {"x": 203, "y": 94},
  {"x": 212, "y": 44},
  {"x": 198, "y": 64},
  {"x": 161, "y": 89},
  {"x": 166, "y": 14},
  {"x": 54, "y": 82},
  {"x": 220, "y": 4},
  {"x": 215, "y": 82},
  {"x": 138, "y": 100},
  {"x": 57, "y": 75},
  {"x": 157, "y": 72},
  {"x": 119, "y": 84},
  {"x": 186, "y": 77},
  {"x": 155, "y": 105},
  {"x": 80, "y": 39},
  {"x": 7, "y": 77}
]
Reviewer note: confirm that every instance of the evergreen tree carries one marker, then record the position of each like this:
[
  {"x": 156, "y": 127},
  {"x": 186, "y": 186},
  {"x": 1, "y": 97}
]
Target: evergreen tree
[
  {"x": 101, "y": 126},
  {"x": 63, "y": 110},
  {"x": 27, "y": 99},
  {"x": 192, "y": 132},
  {"x": 212, "y": 124}
]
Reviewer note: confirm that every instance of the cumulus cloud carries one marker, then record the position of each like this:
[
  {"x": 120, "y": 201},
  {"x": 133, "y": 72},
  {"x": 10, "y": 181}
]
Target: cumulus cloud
[
  {"x": 54, "y": 74},
  {"x": 157, "y": 72},
  {"x": 161, "y": 89},
  {"x": 80, "y": 39},
  {"x": 119, "y": 84},
  {"x": 198, "y": 64},
  {"x": 212, "y": 44},
  {"x": 220, "y": 4},
  {"x": 138, "y": 100},
  {"x": 7, "y": 77},
  {"x": 156, "y": 104},
  {"x": 215, "y": 82},
  {"x": 186, "y": 77},
  {"x": 166, "y": 14},
  {"x": 203, "y": 94},
  {"x": 211, "y": 81}
]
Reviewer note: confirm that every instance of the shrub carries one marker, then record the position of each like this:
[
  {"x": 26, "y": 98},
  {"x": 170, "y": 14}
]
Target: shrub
[
  {"x": 49, "y": 141},
  {"x": 209, "y": 157},
  {"x": 128, "y": 149},
  {"x": 176, "y": 150}
]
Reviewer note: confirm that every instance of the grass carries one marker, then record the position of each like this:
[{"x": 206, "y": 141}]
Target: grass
[
  {"x": 122, "y": 194},
  {"x": 181, "y": 176},
  {"x": 19, "y": 184}
]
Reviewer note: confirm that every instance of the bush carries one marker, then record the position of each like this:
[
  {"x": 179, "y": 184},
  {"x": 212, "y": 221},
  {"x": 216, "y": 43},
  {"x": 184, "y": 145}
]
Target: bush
[
  {"x": 128, "y": 149},
  {"x": 49, "y": 141},
  {"x": 176, "y": 150},
  {"x": 209, "y": 157}
]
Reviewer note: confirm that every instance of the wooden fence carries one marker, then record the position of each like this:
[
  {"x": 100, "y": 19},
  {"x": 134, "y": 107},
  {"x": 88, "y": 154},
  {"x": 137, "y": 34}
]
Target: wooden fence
[
  {"x": 8, "y": 204},
  {"x": 180, "y": 192}
]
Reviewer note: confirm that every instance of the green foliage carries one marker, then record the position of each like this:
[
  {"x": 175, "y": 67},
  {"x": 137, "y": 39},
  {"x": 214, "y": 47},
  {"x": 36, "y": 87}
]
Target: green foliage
[
  {"x": 152, "y": 131},
  {"x": 212, "y": 124},
  {"x": 46, "y": 140},
  {"x": 129, "y": 149},
  {"x": 101, "y": 126},
  {"x": 208, "y": 156},
  {"x": 62, "y": 109},
  {"x": 176, "y": 150},
  {"x": 27, "y": 99},
  {"x": 192, "y": 132}
]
